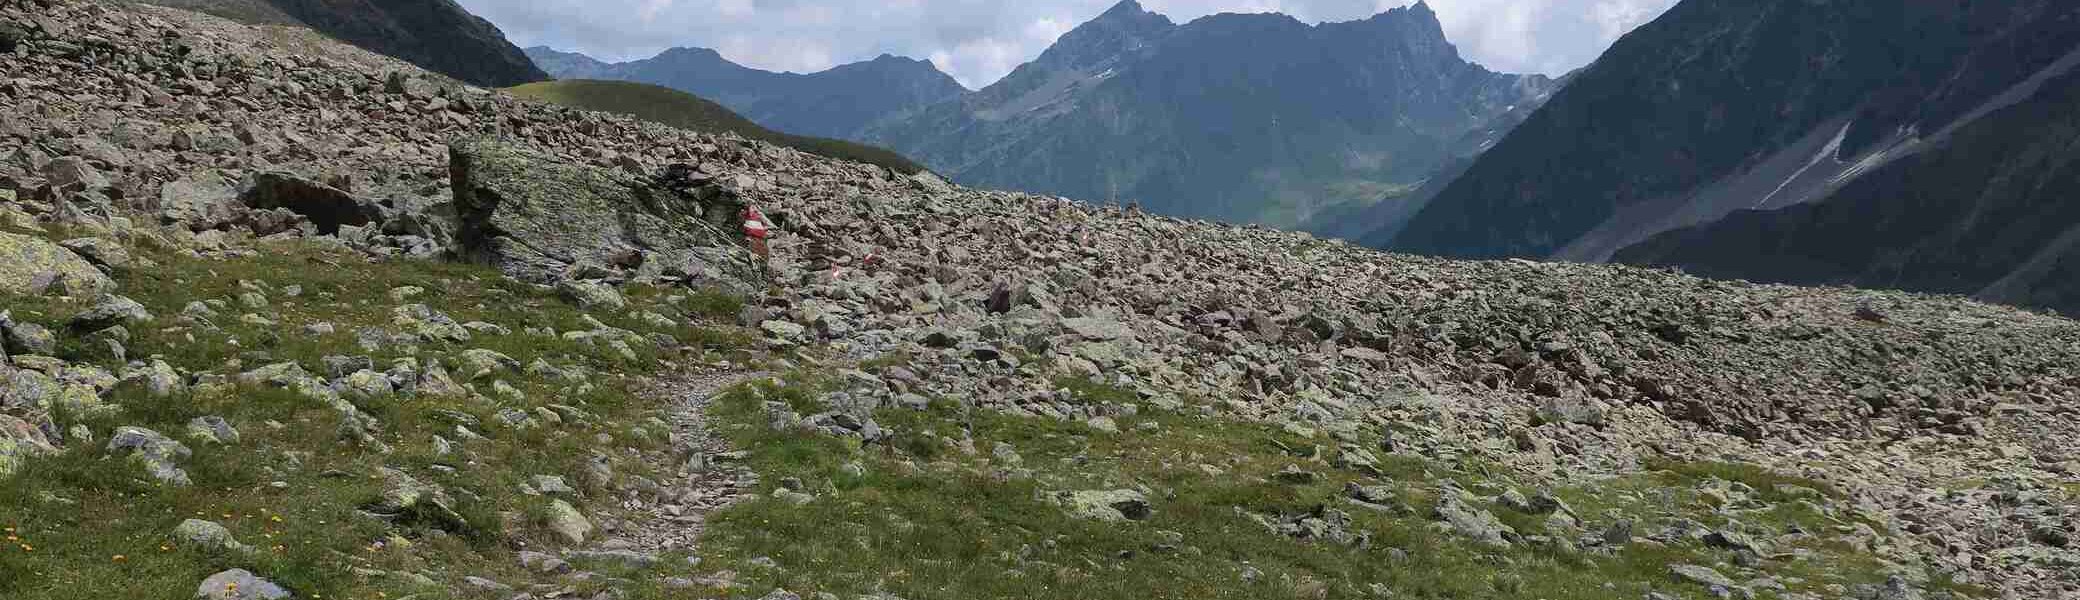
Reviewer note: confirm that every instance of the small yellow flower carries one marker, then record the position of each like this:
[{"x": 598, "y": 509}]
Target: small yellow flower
[
  {"x": 276, "y": 518},
  {"x": 119, "y": 558}
]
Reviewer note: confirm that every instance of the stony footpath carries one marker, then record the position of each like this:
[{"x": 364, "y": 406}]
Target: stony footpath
[{"x": 205, "y": 211}]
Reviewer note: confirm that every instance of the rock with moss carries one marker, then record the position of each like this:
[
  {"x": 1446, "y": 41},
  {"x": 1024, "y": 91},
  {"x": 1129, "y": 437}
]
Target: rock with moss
[
  {"x": 26, "y": 338},
  {"x": 33, "y": 266},
  {"x": 212, "y": 429},
  {"x": 19, "y": 442},
  {"x": 1105, "y": 505},
  {"x": 240, "y": 584},
  {"x": 207, "y": 536},
  {"x": 428, "y": 324},
  {"x": 158, "y": 454},
  {"x": 109, "y": 310},
  {"x": 536, "y": 218},
  {"x": 591, "y": 294},
  {"x": 1457, "y": 516},
  {"x": 567, "y": 522}
]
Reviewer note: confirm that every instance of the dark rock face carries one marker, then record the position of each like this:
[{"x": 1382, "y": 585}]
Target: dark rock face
[
  {"x": 1723, "y": 106},
  {"x": 541, "y": 220},
  {"x": 833, "y": 103},
  {"x": 438, "y": 35},
  {"x": 1238, "y": 117},
  {"x": 1987, "y": 213},
  {"x": 326, "y": 207}
]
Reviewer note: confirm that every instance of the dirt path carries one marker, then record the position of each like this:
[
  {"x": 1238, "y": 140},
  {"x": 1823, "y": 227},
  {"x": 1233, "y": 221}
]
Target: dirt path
[{"x": 697, "y": 482}]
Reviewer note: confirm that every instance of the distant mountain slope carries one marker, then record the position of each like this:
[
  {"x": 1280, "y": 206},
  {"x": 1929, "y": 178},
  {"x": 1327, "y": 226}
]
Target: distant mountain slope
[
  {"x": 686, "y": 111},
  {"x": 831, "y": 103},
  {"x": 1991, "y": 213},
  {"x": 1723, "y": 106},
  {"x": 1257, "y": 118},
  {"x": 438, "y": 35}
]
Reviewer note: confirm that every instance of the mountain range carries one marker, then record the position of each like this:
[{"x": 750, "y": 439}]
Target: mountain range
[
  {"x": 833, "y": 103},
  {"x": 1258, "y": 118},
  {"x": 1905, "y": 144}
]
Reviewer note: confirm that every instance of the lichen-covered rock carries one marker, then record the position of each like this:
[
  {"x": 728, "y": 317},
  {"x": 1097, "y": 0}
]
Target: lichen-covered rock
[
  {"x": 1105, "y": 505},
  {"x": 477, "y": 363},
  {"x": 31, "y": 266},
  {"x": 207, "y": 536},
  {"x": 26, "y": 338},
  {"x": 239, "y": 584},
  {"x": 566, "y": 521},
  {"x": 109, "y": 310},
  {"x": 104, "y": 252},
  {"x": 20, "y": 441},
  {"x": 202, "y": 201},
  {"x": 157, "y": 453},
  {"x": 591, "y": 294},
  {"x": 535, "y": 218},
  {"x": 428, "y": 324},
  {"x": 213, "y": 429}
]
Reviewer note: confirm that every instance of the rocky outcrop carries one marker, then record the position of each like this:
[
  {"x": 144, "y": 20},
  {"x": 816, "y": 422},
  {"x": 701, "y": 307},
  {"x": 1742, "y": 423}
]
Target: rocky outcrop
[
  {"x": 545, "y": 221},
  {"x": 34, "y": 266}
]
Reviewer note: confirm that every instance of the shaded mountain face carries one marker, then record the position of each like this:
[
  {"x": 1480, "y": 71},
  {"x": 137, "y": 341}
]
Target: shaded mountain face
[
  {"x": 1237, "y": 117},
  {"x": 1989, "y": 212},
  {"x": 1718, "y": 107},
  {"x": 832, "y": 103},
  {"x": 437, "y": 35}
]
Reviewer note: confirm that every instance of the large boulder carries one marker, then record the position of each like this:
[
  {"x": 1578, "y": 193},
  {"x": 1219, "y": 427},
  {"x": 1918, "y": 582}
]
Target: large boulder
[
  {"x": 328, "y": 208},
  {"x": 30, "y": 266},
  {"x": 536, "y": 219},
  {"x": 203, "y": 201}
]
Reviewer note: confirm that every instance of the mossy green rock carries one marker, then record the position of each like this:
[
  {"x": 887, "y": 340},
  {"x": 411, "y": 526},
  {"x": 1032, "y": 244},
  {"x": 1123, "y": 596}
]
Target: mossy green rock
[
  {"x": 536, "y": 219},
  {"x": 24, "y": 259}
]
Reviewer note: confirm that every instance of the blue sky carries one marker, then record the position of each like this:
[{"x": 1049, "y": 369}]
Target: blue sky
[{"x": 978, "y": 41}]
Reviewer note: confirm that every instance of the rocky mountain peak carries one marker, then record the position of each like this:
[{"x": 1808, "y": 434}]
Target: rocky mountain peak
[{"x": 1125, "y": 28}]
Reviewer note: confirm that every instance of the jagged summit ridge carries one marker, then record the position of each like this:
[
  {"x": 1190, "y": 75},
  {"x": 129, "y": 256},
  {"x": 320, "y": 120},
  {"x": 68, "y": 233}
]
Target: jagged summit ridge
[
  {"x": 831, "y": 103},
  {"x": 1131, "y": 107}
]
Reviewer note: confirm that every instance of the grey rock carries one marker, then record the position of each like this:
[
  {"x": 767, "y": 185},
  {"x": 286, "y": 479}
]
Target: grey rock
[
  {"x": 157, "y": 453},
  {"x": 213, "y": 429},
  {"x": 1471, "y": 522},
  {"x": 207, "y": 536},
  {"x": 591, "y": 294},
  {"x": 108, "y": 311},
  {"x": 1105, "y": 505},
  {"x": 31, "y": 266},
  {"x": 239, "y": 584},
  {"x": 503, "y": 195}
]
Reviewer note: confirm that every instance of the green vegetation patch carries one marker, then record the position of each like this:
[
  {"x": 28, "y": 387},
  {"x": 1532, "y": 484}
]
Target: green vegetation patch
[
  {"x": 963, "y": 503},
  {"x": 299, "y": 486}
]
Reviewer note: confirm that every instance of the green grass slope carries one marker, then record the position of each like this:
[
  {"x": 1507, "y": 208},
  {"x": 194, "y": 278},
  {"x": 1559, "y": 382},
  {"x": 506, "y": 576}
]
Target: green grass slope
[{"x": 687, "y": 111}]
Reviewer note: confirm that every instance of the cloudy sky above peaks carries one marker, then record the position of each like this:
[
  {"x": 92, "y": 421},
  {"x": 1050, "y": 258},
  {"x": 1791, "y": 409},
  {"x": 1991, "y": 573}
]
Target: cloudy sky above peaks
[{"x": 978, "y": 41}]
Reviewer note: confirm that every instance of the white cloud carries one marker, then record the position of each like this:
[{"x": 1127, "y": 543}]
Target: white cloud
[{"x": 978, "y": 41}]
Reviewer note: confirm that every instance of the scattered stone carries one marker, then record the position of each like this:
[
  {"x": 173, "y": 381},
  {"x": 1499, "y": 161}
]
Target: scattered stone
[
  {"x": 239, "y": 584},
  {"x": 1105, "y": 505},
  {"x": 566, "y": 521},
  {"x": 157, "y": 453},
  {"x": 207, "y": 536}
]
